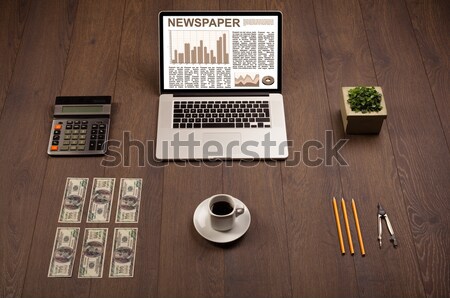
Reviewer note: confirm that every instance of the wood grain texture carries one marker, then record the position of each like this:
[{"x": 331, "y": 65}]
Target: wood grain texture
[
  {"x": 347, "y": 61},
  {"x": 90, "y": 70},
  {"x": 256, "y": 265},
  {"x": 243, "y": 5},
  {"x": 193, "y": 264},
  {"x": 249, "y": 183},
  {"x": 94, "y": 50},
  {"x": 37, "y": 78},
  {"x": 13, "y": 16},
  {"x": 250, "y": 270},
  {"x": 431, "y": 23},
  {"x": 84, "y": 47},
  {"x": 423, "y": 163},
  {"x": 134, "y": 125},
  {"x": 312, "y": 238},
  {"x": 190, "y": 266}
]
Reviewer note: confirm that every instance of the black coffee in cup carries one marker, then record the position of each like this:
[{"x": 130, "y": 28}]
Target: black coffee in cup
[{"x": 221, "y": 208}]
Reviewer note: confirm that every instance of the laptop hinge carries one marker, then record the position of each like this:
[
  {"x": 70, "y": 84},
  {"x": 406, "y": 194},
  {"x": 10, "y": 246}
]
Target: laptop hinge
[{"x": 222, "y": 94}]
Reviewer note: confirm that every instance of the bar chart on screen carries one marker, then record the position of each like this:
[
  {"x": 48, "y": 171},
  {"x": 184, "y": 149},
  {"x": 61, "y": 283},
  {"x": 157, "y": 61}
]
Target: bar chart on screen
[{"x": 199, "y": 47}]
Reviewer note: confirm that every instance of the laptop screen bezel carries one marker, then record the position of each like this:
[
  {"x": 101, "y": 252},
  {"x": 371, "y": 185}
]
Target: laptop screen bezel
[{"x": 225, "y": 91}]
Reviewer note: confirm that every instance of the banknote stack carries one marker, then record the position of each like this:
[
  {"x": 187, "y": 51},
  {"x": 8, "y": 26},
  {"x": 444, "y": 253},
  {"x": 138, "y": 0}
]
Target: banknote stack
[{"x": 94, "y": 244}]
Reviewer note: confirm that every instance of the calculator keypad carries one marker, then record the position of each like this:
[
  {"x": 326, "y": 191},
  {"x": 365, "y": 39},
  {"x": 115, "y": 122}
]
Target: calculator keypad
[{"x": 78, "y": 137}]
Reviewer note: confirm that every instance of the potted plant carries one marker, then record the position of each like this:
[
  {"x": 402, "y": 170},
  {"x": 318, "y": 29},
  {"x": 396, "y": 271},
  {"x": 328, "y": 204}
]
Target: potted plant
[{"x": 363, "y": 110}]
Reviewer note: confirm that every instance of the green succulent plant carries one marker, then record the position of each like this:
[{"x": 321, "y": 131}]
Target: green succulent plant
[{"x": 364, "y": 99}]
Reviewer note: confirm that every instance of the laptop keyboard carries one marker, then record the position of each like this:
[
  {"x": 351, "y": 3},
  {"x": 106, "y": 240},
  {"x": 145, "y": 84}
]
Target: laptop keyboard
[{"x": 221, "y": 114}]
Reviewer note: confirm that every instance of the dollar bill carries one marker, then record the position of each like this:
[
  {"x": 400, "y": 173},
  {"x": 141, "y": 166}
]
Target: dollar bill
[
  {"x": 123, "y": 252},
  {"x": 93, "y": 253},
  {"x": 64, "y": 250},
  {"x": 101, "y": 200},
  {"x": 73, "y": 200},
  {"x": 129, "y": 200}
]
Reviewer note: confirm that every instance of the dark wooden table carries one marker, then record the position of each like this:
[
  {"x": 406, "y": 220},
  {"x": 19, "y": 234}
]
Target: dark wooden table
[{"x": 51, "y": 48}]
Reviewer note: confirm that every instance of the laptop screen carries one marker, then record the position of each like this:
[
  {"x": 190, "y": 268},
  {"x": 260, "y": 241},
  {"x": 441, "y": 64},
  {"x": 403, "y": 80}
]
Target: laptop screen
[{"x": 227, "y": 51}]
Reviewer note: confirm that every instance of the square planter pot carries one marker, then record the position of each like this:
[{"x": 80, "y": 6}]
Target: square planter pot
[{"x": 359, "y": 123}]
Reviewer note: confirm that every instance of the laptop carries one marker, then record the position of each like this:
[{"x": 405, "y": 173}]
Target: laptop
[{"x": 220, "y": 85}]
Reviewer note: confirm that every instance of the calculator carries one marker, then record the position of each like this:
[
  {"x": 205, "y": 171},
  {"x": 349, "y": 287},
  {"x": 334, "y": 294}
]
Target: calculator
[{"x": 80, "y": 126}]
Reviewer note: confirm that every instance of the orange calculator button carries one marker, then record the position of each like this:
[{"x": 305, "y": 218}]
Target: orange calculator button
[
  {"x": 58, "y": 126},
  {"x": 54, "y": 148}
]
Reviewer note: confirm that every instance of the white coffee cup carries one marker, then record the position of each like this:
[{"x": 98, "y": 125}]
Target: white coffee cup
[{"x": 223, "y": 211}]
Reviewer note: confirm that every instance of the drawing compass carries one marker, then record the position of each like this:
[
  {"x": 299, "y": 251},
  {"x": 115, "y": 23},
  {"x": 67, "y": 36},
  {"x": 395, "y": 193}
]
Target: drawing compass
[{"x": 383, "y": 215}]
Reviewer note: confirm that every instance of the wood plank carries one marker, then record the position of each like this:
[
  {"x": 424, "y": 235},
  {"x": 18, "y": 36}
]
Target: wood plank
[
  {"x": 317, "y": 268},
  {"x": 194, "y": 265},
  {"x": 431, "y": 23},
  {"x": 36, "y": 80},
  {"x": 13, "y": 15},
  {"x": 190, "y": 266},
  {"x": 257, "y": 265},
  {"x": 134, "y": 119},
  {"x": 243, "y": 5},
  {"x": 90, "y": 70},
  {"x": 422, "y": 159},
  {"x": 347, "y": 62},
  {"x": 326, "y": 46},
  {"x": 93, "y": 57}
]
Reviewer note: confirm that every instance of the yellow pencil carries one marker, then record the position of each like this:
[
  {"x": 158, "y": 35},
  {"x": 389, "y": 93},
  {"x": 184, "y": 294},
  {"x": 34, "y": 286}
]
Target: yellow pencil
[
  {"x": 358, "y": 229},
  {"x": 338, "y": 225},
  {"x": 347, "y": 227}
]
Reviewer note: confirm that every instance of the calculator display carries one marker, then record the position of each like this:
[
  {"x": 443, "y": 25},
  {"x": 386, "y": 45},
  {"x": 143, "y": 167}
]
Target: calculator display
[{"x": 82, "y": 109}]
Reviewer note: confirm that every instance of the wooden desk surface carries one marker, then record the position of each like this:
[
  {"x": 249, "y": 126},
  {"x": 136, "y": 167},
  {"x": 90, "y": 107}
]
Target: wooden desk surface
[{"x": 51, "y": 48}]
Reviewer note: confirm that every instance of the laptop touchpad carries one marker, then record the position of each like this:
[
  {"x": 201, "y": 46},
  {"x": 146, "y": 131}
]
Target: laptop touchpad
[{"x": 221, "y": 144}]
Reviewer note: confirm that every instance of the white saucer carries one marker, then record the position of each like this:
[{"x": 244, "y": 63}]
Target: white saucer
[{"x": 202, "y": 223}]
